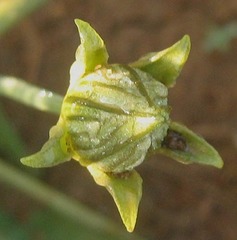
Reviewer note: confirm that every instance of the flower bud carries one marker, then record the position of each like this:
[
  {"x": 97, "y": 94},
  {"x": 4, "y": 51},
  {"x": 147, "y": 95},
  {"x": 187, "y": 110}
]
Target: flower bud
[{"x": 113, "y": 116}]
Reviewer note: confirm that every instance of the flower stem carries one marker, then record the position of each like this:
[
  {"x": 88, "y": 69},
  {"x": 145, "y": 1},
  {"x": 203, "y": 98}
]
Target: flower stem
[{"x": 23, "y": 92}]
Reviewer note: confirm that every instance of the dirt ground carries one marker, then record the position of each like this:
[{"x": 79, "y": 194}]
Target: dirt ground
[{"x": 179, "y": 201}]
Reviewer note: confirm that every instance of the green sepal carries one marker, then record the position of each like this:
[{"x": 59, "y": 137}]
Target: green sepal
[
  {"x": 52, "y": 153},
  {"x": 126, "y": 190},
  {"x": 92, "y": 51},
  {"x": 197, "y": 150},
  {"x": 166, "y": 65}
]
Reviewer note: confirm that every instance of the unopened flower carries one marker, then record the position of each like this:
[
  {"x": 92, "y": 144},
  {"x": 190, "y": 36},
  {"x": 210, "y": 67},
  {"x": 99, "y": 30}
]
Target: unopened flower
[{"x": 113, "y": 115}]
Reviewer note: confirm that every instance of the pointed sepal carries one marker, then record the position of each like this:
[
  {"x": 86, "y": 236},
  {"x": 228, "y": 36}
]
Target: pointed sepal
[
  {"x": 53, "y": 152},
  {"x": 92, "y": 51},
  {"x": 126, "y": 190},
  {"x": 185, "y": 146},
  {"x": 166, "y": 65}
]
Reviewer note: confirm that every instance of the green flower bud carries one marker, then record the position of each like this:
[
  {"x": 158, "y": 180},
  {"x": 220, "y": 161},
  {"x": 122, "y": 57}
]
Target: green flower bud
[{"x": 113, "y": 115}]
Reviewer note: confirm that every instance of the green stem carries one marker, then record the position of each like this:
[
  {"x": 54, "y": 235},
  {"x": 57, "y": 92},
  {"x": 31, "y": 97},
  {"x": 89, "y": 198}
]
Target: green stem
[
  {"x": 30, "y": 95},
  {"x": 12, "y": 11},
  {"x": 61, "y": 203}
]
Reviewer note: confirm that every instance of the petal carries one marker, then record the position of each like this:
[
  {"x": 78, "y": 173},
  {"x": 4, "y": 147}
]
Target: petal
[
  {"x": 165, "y": 66},
  {"x": 187, "y": 147},
  {"x": 126, "y": 190}
]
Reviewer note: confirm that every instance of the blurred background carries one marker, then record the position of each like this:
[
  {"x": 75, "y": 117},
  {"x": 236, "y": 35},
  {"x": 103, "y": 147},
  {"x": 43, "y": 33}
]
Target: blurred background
[{"x": 179, "y": 201}]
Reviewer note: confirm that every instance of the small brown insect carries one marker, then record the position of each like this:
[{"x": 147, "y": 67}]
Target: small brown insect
[
  {"x": 174, "y": 141},
  {"x": 122, "y": 175}
]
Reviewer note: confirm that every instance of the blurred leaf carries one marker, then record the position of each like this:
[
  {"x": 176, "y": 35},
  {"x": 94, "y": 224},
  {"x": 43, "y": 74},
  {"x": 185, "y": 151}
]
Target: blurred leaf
[
  {"x": 219, "y": 37},
  {"x": 11, "y": 144},
  {"x": 10, "y": 229},
  {"x": 12, "y": 11},
  {"x": 48, "y": 225}
]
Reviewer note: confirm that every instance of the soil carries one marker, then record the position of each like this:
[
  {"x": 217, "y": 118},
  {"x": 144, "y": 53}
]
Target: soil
[{"x": 179, "y": 201}]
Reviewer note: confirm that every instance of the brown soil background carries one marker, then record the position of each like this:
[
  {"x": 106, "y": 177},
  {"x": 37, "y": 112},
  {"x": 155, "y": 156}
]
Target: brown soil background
[{"x": 179, "y": 201}]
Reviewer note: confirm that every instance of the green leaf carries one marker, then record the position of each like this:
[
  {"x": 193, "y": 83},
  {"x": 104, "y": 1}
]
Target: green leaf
[
  {"x": 166, "y": 65},
  {"x": 126, "y": 190},
  {"x": 92, "y": 51},
  {"x": 52, "y": 153},
  {"x": 187, "y": 147}
]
